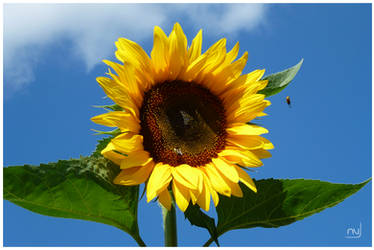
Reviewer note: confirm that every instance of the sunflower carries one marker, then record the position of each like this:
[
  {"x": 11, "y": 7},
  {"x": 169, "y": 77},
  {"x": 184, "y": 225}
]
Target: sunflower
[{"x": 185, "y": 124}]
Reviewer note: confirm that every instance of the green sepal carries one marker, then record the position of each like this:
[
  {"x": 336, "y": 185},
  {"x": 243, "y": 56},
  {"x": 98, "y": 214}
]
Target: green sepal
[
  {"x": 113, "y": 107},
  {"x": 113, "y": 132}
]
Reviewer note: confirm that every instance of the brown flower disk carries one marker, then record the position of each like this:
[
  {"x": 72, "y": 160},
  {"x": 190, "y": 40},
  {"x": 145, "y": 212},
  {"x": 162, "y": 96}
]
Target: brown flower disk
[{"x": 182, "y": 123}]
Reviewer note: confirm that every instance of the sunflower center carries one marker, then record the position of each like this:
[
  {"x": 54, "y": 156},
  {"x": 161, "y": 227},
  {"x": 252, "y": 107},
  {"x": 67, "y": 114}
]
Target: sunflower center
[{"x": 182, "y": 123}]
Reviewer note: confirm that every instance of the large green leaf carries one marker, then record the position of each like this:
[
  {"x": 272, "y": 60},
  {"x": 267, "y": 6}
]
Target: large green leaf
[
  {"x": 279, "y": 202},
  {"x": 78, "y": 188},
  {"x": 278, "y": 81},
  {"x": 198, "y": 218}
]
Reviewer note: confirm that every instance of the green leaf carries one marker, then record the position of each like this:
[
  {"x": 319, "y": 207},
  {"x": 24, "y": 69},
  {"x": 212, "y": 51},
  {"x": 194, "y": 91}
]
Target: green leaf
[
  {"x": 279, "y": 202},
  {"x": 278, "y": 81},
  {"x": 200, "y": 219},
  {"x": 101, "y": 145},
  {"x": 78, "y": 188}
]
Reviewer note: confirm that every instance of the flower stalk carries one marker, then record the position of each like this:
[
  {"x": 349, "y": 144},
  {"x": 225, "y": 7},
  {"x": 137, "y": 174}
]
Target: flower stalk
[{"x": 170, "y": 225}]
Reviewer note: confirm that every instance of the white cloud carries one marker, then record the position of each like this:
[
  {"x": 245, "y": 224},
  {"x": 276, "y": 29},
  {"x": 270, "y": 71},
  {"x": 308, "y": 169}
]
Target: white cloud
[
  {"x": 29, "y": 29},
  {"x": 227, "y": 18}
]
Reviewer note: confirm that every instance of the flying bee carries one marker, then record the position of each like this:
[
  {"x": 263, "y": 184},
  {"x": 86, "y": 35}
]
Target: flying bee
[{"x": 288, "y": 100}]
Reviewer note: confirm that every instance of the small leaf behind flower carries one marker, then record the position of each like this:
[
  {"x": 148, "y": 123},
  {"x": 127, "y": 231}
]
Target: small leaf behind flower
[
  {"x": 200, "y": 219},
  {"x": 78, "y": 188},
  {"x": 101, "y": 145},
  {"x": 279, "y": 202},
  {"x": 113, "y": 107},
  {"x": 278, "y": 81}
]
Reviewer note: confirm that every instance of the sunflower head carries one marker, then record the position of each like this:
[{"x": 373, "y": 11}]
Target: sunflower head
[{"x": 185, "y": 120}]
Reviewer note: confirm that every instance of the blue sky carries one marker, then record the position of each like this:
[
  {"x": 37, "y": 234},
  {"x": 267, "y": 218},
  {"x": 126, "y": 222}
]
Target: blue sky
[{"x": 53, "y": 54}]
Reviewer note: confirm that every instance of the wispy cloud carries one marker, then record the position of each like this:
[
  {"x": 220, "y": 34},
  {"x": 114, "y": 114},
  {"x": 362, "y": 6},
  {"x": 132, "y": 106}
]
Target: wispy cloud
[
  {"x": 225, "y": 18},
  {"x": 31, "y": 28}
]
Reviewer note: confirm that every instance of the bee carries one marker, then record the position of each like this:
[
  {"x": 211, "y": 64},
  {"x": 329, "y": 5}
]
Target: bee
[{"x": 288, "y": 100}]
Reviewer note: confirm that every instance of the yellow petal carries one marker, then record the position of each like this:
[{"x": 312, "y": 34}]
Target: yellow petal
[
  {"x": 177, "y": 51},
  {"x": 218, "y": 183},
  {"x": 236, "y": 190},
  {"x": 128, "y": 142},
  {"x": 244, "y": 103},
  {"x": 195, "y": 50},
  {"x": 215, "y": 196},
  {"x": 194, "y": 194},
  {"x": 246, "y": 179},
  {"x": 127, "y": 79},
  {"x": 118, "y": 68},
  {"x": 226, "y": 64},
  {"x": 247, "y": 142},
  {"x": 261, "y": 153},
  {"x": 261, "y": 84},
  {"x": 236, "y": 155},
  {"x": 247, "y": 113},
  {"x": 234, "y": 70},
  {"x": 252, "y": 89},
  {"x": 165, "y": 199},
  {"x": 213, "y": 192},
  {"x": 226, "y": 169},
  {"x": 267, "y": 144},
  {"x": 217, "y": 46},
  {"x": 255, "y": 75},
  {"x": 134, "y": 89},
  {"x": 132, "y": 53},
  {"x": 181, "y": 195},
  {"x": 234, "y": 187},
  {"x": 242, "y": 107},
  {"x": 215, "y": 58},
  {"x": 134, "y": 176},
  {"x": 244, "y": 85},
  {"x": 233, "y": 53},
  {"x": 159, "y": 54},
  {"x": 249, "y": 79},
  {"x": 224, "y": 75},
  {"x": 118, "y": 94},
  {"x": 187, "y": 176},
  {"x": 124, "y": 121},
  {"x": 159, "y": 180},
  {"x": 194, "y": 69},
  {"x": 136, "y": 159},
  {"x": 245, "y": 129},
  {"x": 108, "y": 152},
  {"x": 203, "y": 199}
]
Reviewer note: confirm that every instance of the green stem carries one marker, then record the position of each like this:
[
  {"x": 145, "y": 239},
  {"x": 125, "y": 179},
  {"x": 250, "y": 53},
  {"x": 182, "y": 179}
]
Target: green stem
[
  {"x": 208, "y": 242},
  {"x": 140, "y": 242},
  {"x": 170, "y": 226}
]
